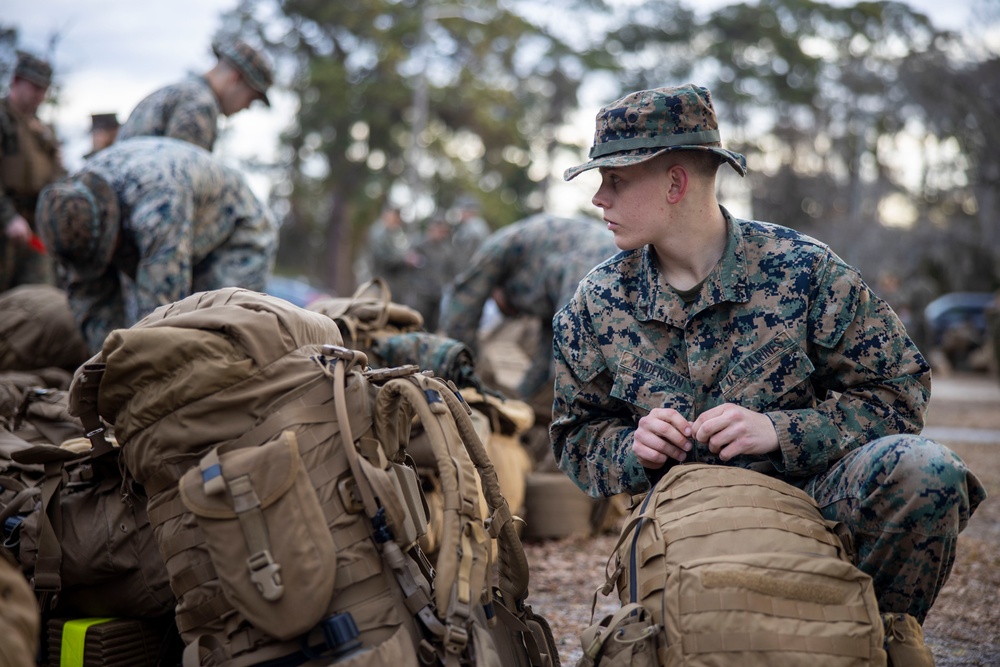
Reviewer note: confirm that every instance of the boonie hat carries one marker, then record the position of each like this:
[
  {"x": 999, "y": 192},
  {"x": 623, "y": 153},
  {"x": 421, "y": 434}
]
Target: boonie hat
[
  {"x": 644, "y": 124},
  {"x": 78, "y": 218},
  {"x": 33, "y": 69},
  {"x": 252, "y": 64}
]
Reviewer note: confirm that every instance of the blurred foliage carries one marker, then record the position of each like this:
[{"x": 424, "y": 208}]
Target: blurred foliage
[
  {"x": 864, "y": 124},
  {"x": 497, "y": 87}
]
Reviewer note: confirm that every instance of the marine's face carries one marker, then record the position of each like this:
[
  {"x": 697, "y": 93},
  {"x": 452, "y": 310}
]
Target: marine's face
[
  {"x": 634, "y": 202},
  {"x": 237, "y": 97},
  {"x": 26, "y": 96}
]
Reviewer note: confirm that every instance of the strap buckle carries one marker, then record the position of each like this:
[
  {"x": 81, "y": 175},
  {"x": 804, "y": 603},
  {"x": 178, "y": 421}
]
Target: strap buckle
[{"x": 266, "y": 575}]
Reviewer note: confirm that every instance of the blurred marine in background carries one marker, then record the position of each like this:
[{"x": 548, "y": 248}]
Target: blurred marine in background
[
  {"x": 531, "y": 267},
  {"x": 29, "y": 159},
  {"x": 150, "y": 221},
  {"x": 190, "y": 110}
]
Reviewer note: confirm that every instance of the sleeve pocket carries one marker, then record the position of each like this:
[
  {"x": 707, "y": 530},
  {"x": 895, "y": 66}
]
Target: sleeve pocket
[{"x": 774, "y": 376}]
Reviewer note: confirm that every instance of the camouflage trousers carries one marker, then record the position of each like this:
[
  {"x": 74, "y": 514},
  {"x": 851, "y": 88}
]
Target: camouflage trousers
[{"x": 905, "y": 498}]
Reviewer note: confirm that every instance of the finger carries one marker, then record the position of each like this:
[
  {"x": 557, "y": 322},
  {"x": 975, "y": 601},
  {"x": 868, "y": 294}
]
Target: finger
[{"x": 672, "y": 417}]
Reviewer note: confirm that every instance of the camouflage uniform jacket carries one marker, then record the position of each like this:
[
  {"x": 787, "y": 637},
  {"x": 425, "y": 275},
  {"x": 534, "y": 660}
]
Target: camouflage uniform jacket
[
  {"x": 188, "y": 224},
  {"x": 188, "y": 110},
  {"x": 538, "y": 263},
  {"x": 781, "y": 326},
  {"x": 29, "y": 160}
]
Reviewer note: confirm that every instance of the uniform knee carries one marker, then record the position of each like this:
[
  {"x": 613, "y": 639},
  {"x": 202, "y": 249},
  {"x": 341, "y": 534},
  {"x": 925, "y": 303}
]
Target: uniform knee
[{"x": 933, "y": 480}]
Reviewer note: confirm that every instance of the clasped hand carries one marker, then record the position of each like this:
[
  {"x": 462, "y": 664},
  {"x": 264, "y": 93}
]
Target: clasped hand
[{"x": 729, "y": 430}]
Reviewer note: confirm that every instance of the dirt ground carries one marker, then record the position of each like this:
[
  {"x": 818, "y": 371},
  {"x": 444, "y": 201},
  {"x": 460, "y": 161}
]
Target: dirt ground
[{"x": 963, "y": 628}]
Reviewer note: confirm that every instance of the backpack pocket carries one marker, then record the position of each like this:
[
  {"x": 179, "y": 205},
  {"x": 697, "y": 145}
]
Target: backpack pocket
[
  {"x": 627, "y": 638},
  {"x": 266, "y": 534},
  {"x": 771, "y": 609}
]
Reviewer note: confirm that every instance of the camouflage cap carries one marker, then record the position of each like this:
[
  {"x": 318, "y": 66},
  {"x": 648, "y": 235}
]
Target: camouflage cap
[
  {"x": 644, "y": 124},
  {"x": 253, "y": 65},
  {"x": 33, "y": 69},
  {"x": 78, "y": 218},
  {"x": 104, "y": 121}
]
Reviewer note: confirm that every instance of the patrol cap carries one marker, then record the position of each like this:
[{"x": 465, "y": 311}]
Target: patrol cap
[
  {"x": 78, "y": 219},
  {"x": 253, "y": 65},
  {"x": 33, "y": 69},
  {"x": 103, "y": 121},
  {"x": 647, "y": 123}
]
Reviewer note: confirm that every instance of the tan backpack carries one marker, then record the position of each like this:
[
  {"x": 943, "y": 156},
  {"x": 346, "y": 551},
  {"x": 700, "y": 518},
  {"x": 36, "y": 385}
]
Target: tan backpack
[
  {"x": 734, "y": 567},
  {"x": 37, "y": 330},
  {"x": 283, "y": 503},
  {"x": 84, "y": 550},
  {"x": 369, "y": 315}
]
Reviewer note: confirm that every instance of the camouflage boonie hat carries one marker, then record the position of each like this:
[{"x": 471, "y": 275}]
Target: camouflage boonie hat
[
  {"x": 78, "y": 219},
  {"x": 253, "y": 65},
  {"x": 33, "y": 69},
  {"x": 644, "y": 124}
]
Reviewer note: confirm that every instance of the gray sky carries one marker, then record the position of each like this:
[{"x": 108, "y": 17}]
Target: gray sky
[{"x": 112, "y": 53}]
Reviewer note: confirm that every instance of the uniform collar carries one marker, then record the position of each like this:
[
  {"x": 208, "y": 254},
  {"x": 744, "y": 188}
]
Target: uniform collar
[{"x": 728, "y": 281}]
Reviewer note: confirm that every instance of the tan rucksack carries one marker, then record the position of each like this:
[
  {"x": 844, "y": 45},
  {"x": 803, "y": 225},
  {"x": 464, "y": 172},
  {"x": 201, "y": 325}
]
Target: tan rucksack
[
  {"x": 367, "y": 316},
  {"x": 734, "y": 567},
  {"x": 282, "y": 499},
  {"x": 84, "y": 550},
  {"x": 37, "y": 330}
]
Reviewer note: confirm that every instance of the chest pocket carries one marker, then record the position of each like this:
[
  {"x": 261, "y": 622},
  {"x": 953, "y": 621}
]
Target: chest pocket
[
  {"x": 647, "y": 385},
  {"x": 774, "y": 376}
]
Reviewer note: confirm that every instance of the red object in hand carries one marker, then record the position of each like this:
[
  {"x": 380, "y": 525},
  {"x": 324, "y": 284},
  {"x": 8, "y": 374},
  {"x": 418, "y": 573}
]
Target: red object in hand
[{"x": 36, "y": 244}]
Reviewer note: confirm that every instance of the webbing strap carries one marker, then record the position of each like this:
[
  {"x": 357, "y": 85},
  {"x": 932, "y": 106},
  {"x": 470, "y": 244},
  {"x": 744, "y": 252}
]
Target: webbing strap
[
  {"x": 735, "y": 500},
  {"x": 759, "y": 642},
  {"x": 47, "y": 577},
  {"x": 721, "y": 524},
  {"x": 264, "y": 572},
  {"x": 353, "y": 459},
  {"x": 741, "y": 600},
  {"x": 192, "y": 577},
  {"x": 165, "y": 511},
  {"x": 87, "y": 395},
  {"x": 685, "y": 482},
  {"x": 512, "y": 563},
  {"x": 74, "y": 640},
  {"x": 210, "y": 610}
]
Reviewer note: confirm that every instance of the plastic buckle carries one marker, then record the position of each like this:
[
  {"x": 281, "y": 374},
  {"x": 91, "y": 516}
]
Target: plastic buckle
[
  {"x": 266, "y": 575},
  {"x": 455, "y": 639}
]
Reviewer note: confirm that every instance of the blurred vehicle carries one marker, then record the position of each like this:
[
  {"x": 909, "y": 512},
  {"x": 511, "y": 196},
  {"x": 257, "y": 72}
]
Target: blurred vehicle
[
  {"x": 958, "y": 326},
  {"x": 294, "y": 290}
]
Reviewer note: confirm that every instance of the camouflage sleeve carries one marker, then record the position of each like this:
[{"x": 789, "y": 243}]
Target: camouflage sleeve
[
  {"x": 470, "y": 291},
  {"x": 98, "y": 307},
  {"x": 876, "y": 380},
  {"x": 541, "y": 370},
  {"x": 163, "y": 226},
  {"x": 195, "y": 122},
  {"x": 247, "y": 256},
  {"x": 591, "y": 436}
]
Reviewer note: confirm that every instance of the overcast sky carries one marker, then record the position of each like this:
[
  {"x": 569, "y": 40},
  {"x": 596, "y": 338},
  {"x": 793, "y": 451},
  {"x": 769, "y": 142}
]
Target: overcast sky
[{"x": 112, "y": 53}]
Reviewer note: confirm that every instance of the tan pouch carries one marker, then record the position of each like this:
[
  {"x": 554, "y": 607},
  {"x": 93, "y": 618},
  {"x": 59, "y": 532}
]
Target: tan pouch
[
  {"x": 266, "y": 534},
  {"x": 396, "y": 651},
  {"x": 627, "y": 638}
]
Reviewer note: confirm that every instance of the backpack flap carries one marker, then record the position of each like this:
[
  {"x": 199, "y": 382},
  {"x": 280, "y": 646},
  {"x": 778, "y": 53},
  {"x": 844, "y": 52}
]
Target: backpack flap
[
  {"x": 771, "y": 608},
  {"x": 266, "y": 534}
]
